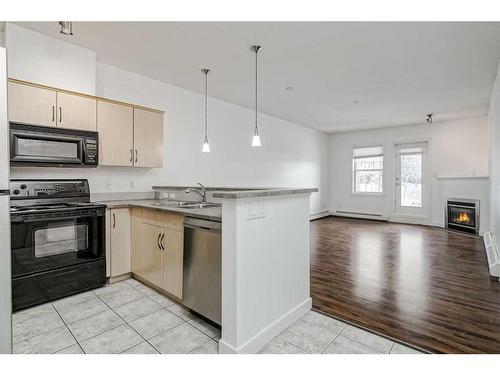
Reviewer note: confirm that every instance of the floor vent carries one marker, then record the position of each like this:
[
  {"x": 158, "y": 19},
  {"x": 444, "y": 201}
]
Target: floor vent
[{"x": 492, "y": 254}]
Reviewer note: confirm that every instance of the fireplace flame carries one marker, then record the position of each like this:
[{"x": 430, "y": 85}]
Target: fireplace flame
[{"x": 463, "y": 218}]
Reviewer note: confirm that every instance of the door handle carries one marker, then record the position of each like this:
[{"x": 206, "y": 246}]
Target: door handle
[
  {"x": 114, "y": 220},
  {"x": 131, "y": 155},
  {"x": 161, "y": 241},
  {"x": 53, "y": 113},
  {"x": 136, "y": 155},
  {"x": 60, "y": 114},
  {"x": 158, "y": 241}
]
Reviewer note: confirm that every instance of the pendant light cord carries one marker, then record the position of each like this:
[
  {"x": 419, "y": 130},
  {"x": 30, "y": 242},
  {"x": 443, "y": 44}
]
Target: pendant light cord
[
  {"x": 206, "y": 106},
  {"x": 256, "y": 103}
]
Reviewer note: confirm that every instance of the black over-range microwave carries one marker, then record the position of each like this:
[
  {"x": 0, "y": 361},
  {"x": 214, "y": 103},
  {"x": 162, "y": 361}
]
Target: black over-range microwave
[{"x": 33, "y": 145}]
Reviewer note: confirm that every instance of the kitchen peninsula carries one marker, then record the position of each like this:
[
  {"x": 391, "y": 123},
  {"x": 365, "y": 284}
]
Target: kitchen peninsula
[{"x": 265, "y": 255}]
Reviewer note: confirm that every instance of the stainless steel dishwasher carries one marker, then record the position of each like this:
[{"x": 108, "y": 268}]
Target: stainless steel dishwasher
[{"x": 201, "y": 290}]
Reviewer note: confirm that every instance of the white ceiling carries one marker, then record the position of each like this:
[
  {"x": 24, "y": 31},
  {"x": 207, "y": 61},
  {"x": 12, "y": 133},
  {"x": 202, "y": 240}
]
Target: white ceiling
[{"x": 347, "y": 76}]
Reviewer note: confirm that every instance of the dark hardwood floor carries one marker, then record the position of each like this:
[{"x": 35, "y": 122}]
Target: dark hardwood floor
[{"x": 426, "y": 286}]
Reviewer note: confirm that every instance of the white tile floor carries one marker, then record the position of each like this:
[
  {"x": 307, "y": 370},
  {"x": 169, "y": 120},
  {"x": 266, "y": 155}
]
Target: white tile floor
[{"x": 129, "y": 317}]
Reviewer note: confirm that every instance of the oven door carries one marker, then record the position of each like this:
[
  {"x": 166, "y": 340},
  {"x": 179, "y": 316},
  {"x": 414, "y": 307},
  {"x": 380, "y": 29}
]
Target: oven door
[
  {"x": 40, "y": 243},
  {"x": 45, "y": 147}
]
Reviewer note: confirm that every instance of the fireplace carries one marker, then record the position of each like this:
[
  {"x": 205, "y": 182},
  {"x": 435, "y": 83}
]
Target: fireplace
[{"x": 462, "y": 215}]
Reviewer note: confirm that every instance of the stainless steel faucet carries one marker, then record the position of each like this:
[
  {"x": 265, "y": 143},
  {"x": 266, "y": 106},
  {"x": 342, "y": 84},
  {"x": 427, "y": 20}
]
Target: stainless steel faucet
[{"x": 201, "y": 191}]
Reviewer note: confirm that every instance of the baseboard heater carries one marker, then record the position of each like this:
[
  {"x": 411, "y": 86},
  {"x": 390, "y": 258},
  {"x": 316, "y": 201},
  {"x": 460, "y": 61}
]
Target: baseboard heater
[
  {"x": 361, "y": 214},
  {"x": 492, "y": 254}
]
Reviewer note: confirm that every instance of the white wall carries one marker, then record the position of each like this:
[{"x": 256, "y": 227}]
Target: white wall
[
  {"x": 42, "y": 59},
  {"x": 291, "y": 155},
  {"x": 494, "y": 128},
  {"x": 265, "y": 273},
  {"x": 458, "y": 149}
]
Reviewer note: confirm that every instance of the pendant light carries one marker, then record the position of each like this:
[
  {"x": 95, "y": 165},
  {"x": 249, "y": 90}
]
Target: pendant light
[
  {"x": 256, "y": 139},
  {"x": 206, "y": 146}
]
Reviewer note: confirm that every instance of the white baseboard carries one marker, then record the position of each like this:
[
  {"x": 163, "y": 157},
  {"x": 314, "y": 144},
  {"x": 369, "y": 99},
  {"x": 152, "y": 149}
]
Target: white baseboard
[
  {"x": 319, "y": 215},
  {"x": 262, "y": 338},
  {"x": 360, "y": 215},
  {"x": 407, "y": 219}
]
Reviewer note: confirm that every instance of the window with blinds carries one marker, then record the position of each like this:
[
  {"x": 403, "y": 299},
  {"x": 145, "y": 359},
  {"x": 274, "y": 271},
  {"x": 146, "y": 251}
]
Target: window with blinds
[{"x": 367, "y": 169}]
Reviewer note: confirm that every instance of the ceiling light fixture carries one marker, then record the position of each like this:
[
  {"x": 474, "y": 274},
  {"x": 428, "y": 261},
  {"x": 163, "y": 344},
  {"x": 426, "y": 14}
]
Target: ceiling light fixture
[
  {"x": 66, "y": 27},
  {"x": 429, "y": 118},
  {"x": 256, "y": 139},
  {"x": 206, "y": 146}
]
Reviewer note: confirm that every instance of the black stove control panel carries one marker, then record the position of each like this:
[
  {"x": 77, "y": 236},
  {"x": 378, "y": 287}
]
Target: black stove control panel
[{"x": 29, "y": 189}]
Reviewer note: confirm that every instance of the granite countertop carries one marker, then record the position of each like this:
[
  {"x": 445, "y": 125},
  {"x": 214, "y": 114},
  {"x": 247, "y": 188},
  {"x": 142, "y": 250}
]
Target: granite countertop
[
  {"x": 240, "y": 193},
  {"x": 210, "y": 213}
]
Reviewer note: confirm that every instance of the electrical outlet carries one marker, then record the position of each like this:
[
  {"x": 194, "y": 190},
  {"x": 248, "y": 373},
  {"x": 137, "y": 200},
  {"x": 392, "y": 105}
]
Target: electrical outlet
[
  {"x": 107, "y": 185},
  {"x": 256, "y": 210},
  {"x": 165, "y": 195},
  {"x": 172, "y": 195}
]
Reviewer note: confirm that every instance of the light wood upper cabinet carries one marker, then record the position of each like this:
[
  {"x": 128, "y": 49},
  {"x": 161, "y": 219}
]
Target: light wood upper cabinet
[
  {"x": 152, "y": 253},
  {"x": 76, "y": 112},
  {"x": 148, "y": 138},
  {"x": 129, "y": 135},
  {"x": 115, "y": 124},
  {"x": 120, "y": 241},
  {"x": 173, "y": 243},
  {"x": 32, "y": 105}
]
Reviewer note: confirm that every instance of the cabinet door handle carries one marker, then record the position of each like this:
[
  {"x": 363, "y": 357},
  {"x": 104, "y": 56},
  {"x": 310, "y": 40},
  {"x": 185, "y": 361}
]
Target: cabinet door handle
[
  {"x": 53, "y": 113},
  {"x": 136, "y": 155},
  {"x": 131, "y": 155},
  {"x": 114, "y": 220},
  {"x": 158, "y": 241},
  {"x": 161, "y": 242},
  {"x": 60, "y": 114}
]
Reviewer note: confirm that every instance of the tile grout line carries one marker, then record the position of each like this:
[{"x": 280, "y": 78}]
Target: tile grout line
[
  {"x": 359, "y": 326},
  {"x": 203, "y": 343},
  {"x": 392, "y": 347},
  {"x": 162, "y": 308},
  {"x": 366, "y": 346},
  {"x": 179, "y": 316},
  {"x": 126, "y": 323},
  {"x": 335, "y": 338},
  {"x": 69, "y": 330}
]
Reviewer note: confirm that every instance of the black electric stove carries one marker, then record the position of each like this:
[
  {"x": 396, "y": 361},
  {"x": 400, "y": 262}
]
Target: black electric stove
[{"x": 57, "y": 240}]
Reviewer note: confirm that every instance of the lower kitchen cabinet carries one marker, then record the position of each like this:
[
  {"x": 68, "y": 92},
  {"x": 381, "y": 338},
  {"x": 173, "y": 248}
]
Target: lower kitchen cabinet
[
  {"x": 158, "y": 248},
  {"x": 136, "y": 241},
  {"x": 118, "y": 241},
  {"x": 152, "y": 253},
  {"x": 172, "y": 264}
]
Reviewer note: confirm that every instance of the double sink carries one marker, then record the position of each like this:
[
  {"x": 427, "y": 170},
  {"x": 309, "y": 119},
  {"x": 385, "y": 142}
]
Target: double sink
[{"x": 187, "y": 205}]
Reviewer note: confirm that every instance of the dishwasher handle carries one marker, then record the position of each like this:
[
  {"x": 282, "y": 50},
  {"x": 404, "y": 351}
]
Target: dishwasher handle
[{"x": 209, "y": 225}]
